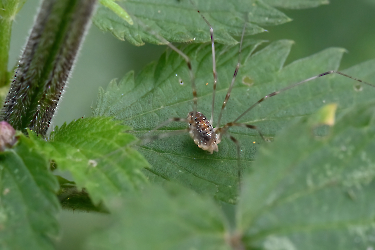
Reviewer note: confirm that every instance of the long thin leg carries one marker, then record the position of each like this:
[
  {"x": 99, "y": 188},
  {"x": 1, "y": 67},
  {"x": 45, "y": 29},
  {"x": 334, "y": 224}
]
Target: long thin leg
[
  {"x": 239, "y": 171},
  {"x": 225, "y": 128},
  {"x": 147, "y": 139},
  {"x": 186, "y": 58},
  {"x": 143, "y": 140},
  {"x": 173, "y": 119},
  {"x": 213, "y": 67},
  {"x": 299, "y": 83},
  {"x": 233, "y": 79}
]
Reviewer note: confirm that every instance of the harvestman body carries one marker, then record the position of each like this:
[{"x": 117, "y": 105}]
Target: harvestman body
[{"x": 202, "y": 130}]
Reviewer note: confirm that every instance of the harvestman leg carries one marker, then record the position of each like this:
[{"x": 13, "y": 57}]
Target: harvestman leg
[
  {"x": 238, "y": 148},
  {"x": 186, "y": 58},
  {"x": 146, "y": 138},
  {"x": 227, "y": 96},
  {"x": 297, "y": 84},
  {"x": 239, "y": 171},
  {"x": 192, "y": 76},
  {"x": 149, "y": 138},
  {"x": 193, "y": 86},
  {"x": 224, "y": 130},
  {"x": 213, "y": 66}
]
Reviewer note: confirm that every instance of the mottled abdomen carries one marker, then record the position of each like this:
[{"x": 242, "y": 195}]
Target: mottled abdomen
[{"x": 202, "y": 132}]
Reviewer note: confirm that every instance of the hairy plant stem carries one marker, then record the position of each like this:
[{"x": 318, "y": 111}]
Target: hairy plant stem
[{"x": 46, "y": 63}]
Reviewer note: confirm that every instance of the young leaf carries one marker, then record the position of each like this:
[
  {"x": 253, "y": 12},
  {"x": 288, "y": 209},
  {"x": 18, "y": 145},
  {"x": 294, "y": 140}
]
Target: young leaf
[
  {"x": 28, "y": 203},
  {"x": 178, "y": 21},
  {"x": 309, "y": 192},
  {"x": 157, "y": 94},
  {"x": 160, "y": 219},
  {"x": 96, "y": 151}
]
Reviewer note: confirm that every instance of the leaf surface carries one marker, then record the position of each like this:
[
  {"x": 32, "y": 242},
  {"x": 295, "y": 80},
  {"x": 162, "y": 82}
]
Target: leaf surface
[
  {"x": 156, "y": 94},
  {"x": 28, "y": 204},
  {"x": 169, "y": 218},
  {"x": 178, "y": 21},
  {"x": 308, "y": 192},
  {"x": 96, "y": 152}
]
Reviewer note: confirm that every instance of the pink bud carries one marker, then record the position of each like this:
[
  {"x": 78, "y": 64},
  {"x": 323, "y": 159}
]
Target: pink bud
[{"x": 7, "y": 136}]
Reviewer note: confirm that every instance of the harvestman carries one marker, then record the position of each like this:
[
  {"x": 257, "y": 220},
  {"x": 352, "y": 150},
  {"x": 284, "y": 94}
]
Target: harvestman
[{"x": 202, "y": 130}]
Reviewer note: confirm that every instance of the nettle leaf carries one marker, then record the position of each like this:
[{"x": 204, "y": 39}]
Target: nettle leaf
[
  {"x": 28, "y": 203},
  {"x": 164, "y": 218},
  {"x": 157, "y": 94},
  {"x": 178, "y": 21},
  {"x": 96, "y": 152},
  {"x": 308, "y": 192}
]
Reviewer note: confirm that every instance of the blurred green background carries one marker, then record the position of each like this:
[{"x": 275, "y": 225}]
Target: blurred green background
[{"x": 343, "y": 23}]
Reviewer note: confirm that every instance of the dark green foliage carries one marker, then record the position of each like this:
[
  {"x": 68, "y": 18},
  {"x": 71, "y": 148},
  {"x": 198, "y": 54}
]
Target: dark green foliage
[
  {"x": 227, "y": 18},
  {"x": 97, "y": 152},
  {"x": 309, "y": 193},
  {"x": 311, "y": 187},
  {"x": 313, "y": 192},
  {"x": 156, "y": 95},
  {"x": 28, "y": 205}
]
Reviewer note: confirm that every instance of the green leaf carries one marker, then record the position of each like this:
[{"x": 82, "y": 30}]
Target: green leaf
[
  {"x": 309, "y": 192},
  {"x": 8, "y": 11},
  {"x": 9, "y": 8},
  {"x": 28, "y": 204},
  {"x": 156, "y": 95},
  {"x": 78, "y": 199},
  {"x": 97, "y": 153},
  {"x": 160, "y": 219},
  {"x": 296, "y": 4},
  {"x": 178, "y": 21},
  {"x": 120, "y": 12}
]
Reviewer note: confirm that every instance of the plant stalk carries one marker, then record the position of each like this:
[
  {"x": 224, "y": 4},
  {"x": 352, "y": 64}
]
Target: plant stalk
[{"x": 46, "y": 63}]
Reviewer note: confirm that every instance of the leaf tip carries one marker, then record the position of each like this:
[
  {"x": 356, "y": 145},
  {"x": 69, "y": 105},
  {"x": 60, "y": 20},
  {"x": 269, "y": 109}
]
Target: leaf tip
[{"x": 118, "y": 10}]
